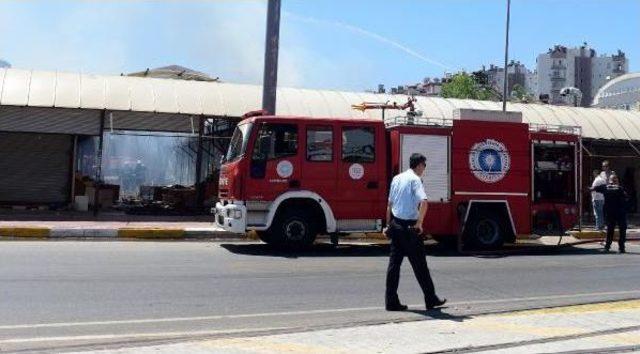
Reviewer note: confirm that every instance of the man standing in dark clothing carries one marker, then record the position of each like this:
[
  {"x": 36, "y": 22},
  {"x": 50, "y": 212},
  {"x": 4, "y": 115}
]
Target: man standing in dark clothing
[
  {"x": 405, "y": 215},
  {"x": 615, "y": 211}
]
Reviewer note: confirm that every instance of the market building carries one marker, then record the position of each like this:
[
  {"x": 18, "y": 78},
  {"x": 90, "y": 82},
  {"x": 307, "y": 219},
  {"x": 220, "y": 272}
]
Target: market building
[{"x": 51, "y": 124}]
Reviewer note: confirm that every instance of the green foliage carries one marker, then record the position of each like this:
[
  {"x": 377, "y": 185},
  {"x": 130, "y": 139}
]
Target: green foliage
[
  {"x": 519, "y": 93},
  {"x": 463, "y": 85}
]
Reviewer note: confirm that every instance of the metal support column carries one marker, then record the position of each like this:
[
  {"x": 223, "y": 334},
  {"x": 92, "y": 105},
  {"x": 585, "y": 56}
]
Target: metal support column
[
  {"x": 199, "y": 190},
  {"x": 270, "y": 80},
  {"x": 506, "y": 61},
  {"x": 98, "y": 177},
  {"x": 74, "y": 154}
]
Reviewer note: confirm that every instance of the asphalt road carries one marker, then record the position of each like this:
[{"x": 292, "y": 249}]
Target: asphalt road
[{"x": 66, "y": 295}]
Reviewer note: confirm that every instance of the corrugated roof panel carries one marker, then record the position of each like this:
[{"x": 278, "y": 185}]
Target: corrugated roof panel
[
  {"x": 290, "y": 101},
  {"x": 602, "y": 128},
  {"x": 579, "y": 121},
  {"x": 16, "y": 88},
  {"x": 142, "y": 94},
  {"x": 530, "y": 118},
  {"x": 458, "y": 103},
  {"x": 20, "y": 87},
  {"x": 213, "y": 103},
  {"x": 67, "y": 90},
  {"x": 253, "y": 97},
  {"x": 491, "y": 105},
  {"x": 429, "y": 108},
  {"x": 43, "y": 89},
  {"x": 165, "y": 96},
  {"x": 237, "y": 101},
  {"x": 631, "y": 121},
  {"x": 351, "y": 98},
  {"x": 118, "y": 95},
  {"x": 189, "y": 96},
  {"x": 618, "y": 129},
  {"x": 92, "y": 91},
  {"x": 547, "y": 115},
  {"x": 317, "y": 103},
  {"x": 446, "y": 107}
]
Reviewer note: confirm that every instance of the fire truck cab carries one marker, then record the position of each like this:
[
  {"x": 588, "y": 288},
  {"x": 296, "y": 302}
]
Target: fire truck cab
[{"x": 490, "y": 177}]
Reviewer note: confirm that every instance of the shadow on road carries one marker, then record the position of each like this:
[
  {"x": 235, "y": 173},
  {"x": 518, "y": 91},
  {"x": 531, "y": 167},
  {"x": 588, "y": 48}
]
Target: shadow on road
[
  {"x": 382, "y": 250},
  {"x": 317, "y": 250},
  {"x": 439, "y": 314}
]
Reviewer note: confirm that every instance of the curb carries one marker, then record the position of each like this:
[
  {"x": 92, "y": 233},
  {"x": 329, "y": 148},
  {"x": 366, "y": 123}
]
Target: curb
[
  {"x": 149, "y": 233},
  {"x": 32, "y": 232},
  {"x": 593, "y": 234}
]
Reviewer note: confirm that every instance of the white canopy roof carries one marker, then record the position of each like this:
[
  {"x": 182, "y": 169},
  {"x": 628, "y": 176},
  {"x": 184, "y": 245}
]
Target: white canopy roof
[{"x": 74, "y": 90}]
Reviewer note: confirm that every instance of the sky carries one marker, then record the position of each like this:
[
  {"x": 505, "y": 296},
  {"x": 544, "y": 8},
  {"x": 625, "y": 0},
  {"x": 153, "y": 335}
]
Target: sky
[{"x": 330, "y": 44}]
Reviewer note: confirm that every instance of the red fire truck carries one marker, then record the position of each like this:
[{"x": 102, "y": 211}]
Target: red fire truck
[{"x": 490, "y": 178}]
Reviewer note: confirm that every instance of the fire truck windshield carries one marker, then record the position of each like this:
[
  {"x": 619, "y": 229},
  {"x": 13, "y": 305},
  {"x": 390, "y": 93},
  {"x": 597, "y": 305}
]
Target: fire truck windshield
[{"x": 238, "y": 144}]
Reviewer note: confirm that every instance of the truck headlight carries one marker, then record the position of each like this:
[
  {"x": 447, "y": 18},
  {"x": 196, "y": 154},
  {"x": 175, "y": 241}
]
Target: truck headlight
[{"x": 237, "y": 214}]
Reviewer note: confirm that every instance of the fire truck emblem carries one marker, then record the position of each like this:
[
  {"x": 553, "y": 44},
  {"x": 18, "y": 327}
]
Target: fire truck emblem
[
  {"x": 284, "y": 169},
  {"x": 356, "y": 171},
  {"x": 489, "y": 161}
]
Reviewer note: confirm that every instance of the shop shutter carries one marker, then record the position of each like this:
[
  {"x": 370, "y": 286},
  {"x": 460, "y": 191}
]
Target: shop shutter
[
  {"x": 50, "y": 120},
  {"x": 35, "y": 168}
]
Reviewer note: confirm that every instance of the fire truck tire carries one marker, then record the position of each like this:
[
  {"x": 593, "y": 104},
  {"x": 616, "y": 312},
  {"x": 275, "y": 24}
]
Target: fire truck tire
[
  {"x": 486, "y": 232},
  {"x": 445, "y": 240},
  {"x": 294, "y": 229},
  {"x": 267, "y": 237}
]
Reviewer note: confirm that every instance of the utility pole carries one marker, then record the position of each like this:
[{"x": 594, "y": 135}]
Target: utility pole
[
  {"x": 506, "y": 60},
  {"x": 270, "y": 80}
]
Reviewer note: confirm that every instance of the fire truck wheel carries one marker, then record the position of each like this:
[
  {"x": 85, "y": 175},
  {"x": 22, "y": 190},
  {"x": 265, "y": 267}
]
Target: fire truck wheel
[
  {"x": 268, "y": 238},
  {"x": 486, "y": 232},
  {"x": 296, "y": 229},
  {"x": 446, "y": 240}
]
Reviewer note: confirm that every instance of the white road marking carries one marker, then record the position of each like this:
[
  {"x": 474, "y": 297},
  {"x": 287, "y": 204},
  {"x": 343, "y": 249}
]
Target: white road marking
[
  {"x": 308, "y": 312},
  {"x": 134, "y": 335}
]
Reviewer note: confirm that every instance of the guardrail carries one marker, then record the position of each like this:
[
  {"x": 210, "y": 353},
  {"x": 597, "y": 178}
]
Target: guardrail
[{"x": 444, "y": 122}]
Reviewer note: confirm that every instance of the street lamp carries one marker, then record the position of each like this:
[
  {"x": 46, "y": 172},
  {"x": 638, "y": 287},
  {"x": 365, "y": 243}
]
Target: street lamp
[{"x": 506, "y": 59}]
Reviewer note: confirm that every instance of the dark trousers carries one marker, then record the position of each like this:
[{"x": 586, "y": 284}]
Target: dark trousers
[
  {"x": 612, "y": 221},
  {"x": 406, "y": 242}
]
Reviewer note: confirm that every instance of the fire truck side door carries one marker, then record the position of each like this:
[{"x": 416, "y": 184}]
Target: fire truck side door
[
  {"x": 274, "y": 165},
  {"x": 318, "y": 160},
  {"x": 361, "y": 185}
]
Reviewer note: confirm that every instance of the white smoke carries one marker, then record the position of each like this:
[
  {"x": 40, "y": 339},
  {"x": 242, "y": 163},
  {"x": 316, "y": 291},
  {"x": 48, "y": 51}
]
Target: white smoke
[{"x": 369, "y": 34}]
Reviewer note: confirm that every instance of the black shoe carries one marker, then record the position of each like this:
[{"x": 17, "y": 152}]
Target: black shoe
[
  {"x": 435, "y": 303},
  {"x": 397, "y": 307},
  {"x": 622, "y": 250},
  {"x": 607, "y": 248}
]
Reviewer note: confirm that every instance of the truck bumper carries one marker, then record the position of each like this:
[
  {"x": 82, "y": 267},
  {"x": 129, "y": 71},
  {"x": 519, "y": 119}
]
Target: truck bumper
[{"x": 231, "y": 217}]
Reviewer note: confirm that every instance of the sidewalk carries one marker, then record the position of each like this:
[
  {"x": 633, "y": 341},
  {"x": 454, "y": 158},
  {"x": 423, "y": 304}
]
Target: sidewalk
[
  {"x": 111, "y": 229},
  {"x": 562, "y": 329}
]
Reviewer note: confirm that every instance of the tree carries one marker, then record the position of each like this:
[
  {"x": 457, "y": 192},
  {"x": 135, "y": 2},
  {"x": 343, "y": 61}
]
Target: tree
[
  {"x": 463, "y": 85},
  {"x": 519, "y": 93}
]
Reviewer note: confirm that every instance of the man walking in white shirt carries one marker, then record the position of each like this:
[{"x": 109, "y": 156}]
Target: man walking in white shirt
[{"x": 405, "y": 215}]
